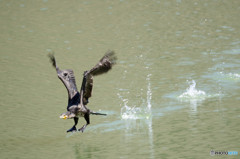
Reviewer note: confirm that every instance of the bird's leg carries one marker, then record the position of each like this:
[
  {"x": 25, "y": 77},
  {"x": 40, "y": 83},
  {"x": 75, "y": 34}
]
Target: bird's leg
[
  {"x": 86, "y": 117},
  {"x": 74, "y": 126}
]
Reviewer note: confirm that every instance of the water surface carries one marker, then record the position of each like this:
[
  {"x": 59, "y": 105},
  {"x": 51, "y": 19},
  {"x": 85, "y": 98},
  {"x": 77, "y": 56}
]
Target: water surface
[{"x": 173, "y": 94}]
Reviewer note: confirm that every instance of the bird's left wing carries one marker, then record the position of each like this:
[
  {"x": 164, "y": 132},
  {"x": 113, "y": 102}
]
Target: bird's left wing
[
  {"x": 86, "y": 90},
  {"x": 103, "y": 66}
]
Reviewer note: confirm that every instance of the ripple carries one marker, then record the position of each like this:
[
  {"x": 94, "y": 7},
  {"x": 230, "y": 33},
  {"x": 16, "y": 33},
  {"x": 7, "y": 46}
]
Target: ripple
[
  {"x": 43, "y": 9},
  {"x": 66, "y": 42},
  {"x": 228, "y": 28},
  {"x": 234, "y": 51},
  {"x": 230, "y": 76},
  {"x": 224, "y": 77}
]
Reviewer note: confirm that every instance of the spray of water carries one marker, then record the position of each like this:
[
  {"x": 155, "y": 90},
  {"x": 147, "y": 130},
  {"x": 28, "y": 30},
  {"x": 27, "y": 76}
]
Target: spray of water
[
  {"x": 138, "y": 112},
  {"x": 194, "y": 96},
  {"x": 192, "y": 93}
]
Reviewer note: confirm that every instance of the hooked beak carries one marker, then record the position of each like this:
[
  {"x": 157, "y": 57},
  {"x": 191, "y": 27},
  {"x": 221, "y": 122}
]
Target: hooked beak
[{"x": 63, "y": 116}]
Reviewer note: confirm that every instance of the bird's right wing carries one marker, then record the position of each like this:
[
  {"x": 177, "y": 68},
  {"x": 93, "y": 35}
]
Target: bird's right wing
[{"x": 67, "y": 77}]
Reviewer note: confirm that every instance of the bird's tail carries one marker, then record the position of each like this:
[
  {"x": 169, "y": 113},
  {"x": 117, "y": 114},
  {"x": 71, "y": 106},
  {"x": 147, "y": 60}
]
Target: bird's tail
[{"x": 95, "y": 113}]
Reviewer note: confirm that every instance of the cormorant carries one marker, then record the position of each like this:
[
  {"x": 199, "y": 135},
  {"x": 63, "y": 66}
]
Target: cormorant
[{"x": 77, "y": 101}]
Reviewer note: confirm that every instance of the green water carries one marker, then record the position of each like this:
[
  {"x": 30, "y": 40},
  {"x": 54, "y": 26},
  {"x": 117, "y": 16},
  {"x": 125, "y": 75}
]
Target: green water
[{"x": 154, "y": 109}]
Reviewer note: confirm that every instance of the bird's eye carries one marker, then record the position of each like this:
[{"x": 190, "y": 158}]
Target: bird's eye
[{"x": 65, "y": 74}]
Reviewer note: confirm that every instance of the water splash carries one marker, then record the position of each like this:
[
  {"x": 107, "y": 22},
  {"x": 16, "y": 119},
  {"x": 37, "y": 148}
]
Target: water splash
[
  {"x": 135, "y": 112},
  {"x": 138, "y": 112},
  {"x": 194, "y": 96},
  {"x": 192, "y": 93},
  {"x": 149, "y": 93}
]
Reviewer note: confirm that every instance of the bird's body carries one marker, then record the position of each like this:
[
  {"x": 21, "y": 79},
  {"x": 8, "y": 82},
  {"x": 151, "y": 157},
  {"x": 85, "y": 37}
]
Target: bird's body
[{"x": 77, "y": 100}]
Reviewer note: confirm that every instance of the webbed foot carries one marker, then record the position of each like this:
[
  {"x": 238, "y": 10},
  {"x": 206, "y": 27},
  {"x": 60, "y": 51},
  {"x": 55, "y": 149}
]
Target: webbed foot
[
  {"x": 82, "y": 128},
  {"x": 72, "y": 129}
]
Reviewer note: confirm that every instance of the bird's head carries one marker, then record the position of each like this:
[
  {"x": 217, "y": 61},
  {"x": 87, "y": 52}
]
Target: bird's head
[{"x": 67, "y": 115}]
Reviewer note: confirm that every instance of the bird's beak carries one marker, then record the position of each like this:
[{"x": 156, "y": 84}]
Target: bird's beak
[{"x": 63, "y": 116}]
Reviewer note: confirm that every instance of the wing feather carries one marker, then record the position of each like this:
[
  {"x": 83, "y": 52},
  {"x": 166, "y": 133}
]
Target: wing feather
[
  {"x": 103, "y": 66},
  {"x": 67, "y": 78}
]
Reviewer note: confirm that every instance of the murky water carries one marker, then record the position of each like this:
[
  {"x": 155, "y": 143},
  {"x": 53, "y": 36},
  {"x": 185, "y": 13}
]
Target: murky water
[{"x": 173, "y": 94}]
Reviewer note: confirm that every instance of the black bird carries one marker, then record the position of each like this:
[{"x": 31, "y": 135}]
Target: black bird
[{"x": 77, "y": 101}]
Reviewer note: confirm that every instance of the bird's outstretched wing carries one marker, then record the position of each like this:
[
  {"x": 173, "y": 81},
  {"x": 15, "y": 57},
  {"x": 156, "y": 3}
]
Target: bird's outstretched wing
[
  {"x": 68, "y": 79},
  {"x": 103, "y": 66}
]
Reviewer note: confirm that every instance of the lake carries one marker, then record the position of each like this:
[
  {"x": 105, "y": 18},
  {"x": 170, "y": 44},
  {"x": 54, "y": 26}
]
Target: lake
[{"x": 174, "y": 92}]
